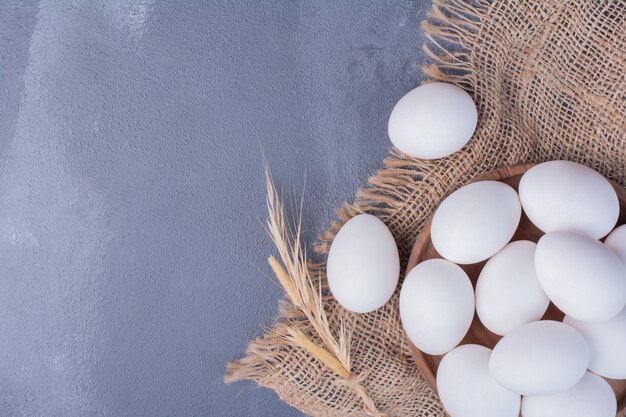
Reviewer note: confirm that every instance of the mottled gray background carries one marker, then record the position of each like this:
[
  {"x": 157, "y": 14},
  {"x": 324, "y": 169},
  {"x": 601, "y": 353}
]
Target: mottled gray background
[{"x": 132, "y": 262}]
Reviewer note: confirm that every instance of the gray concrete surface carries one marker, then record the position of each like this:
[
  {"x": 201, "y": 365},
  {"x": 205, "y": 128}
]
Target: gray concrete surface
[{"x": 132, "y": 261}]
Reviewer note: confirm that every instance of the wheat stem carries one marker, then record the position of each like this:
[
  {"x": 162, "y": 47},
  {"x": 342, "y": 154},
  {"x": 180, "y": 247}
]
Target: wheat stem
[{"x": 295, "y": 278}]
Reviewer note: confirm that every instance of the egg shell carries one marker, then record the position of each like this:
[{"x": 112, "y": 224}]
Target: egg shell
[
  {"x": 540, "y": 358},
  {"x": 508, "y": 293},
  {"x": 466, "y": 388},
  {"x": 363, "y": 264},
  {"x": 436, "y": 305},
  {"x": 591, "y": 397},
  {"x": 616, "y": 241},
  {"x": 607, "y": 344},
  {"x": 564, "y": 195},
  {"x": 581, "y": 276},
  {"x": 475, "y": 221},
  {"x": 433, "y": 121}
]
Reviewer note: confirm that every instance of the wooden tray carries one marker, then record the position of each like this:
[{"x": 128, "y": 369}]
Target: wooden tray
[{"x": 423, "y": 250}]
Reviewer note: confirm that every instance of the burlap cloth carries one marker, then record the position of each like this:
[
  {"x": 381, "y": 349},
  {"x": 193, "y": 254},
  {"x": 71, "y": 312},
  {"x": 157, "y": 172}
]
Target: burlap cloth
[{"x": 548, "y": 78}]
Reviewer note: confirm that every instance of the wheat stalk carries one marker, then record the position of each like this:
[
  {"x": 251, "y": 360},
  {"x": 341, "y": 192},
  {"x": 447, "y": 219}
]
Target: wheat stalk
[
  {"x": 295, "y": 278},
  {"x": 298, "y": 285}
]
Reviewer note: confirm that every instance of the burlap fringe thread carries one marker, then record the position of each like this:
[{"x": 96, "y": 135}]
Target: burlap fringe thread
[{"x": 549, "y": 82}]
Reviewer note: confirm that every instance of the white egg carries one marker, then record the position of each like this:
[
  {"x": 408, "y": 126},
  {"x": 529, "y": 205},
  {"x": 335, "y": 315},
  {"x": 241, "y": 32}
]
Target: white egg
[
  {"x": 475, "y": 221},
  {"x": 467, "y": 389},
  {"x": 436, "y": 305},
  {"x": 591, "y": 397},
  {"x": 616, "y": 241},
  {"x": 564, "y": 195},
  {"x": 363, "y": 265},
  {"x": 433, "y": 121},
  {"x": 607, "y": 344},
  {"x": 540, "y": 358},
  {"x": 582, "y": 277},
  {"x": 508, "y": 293}
]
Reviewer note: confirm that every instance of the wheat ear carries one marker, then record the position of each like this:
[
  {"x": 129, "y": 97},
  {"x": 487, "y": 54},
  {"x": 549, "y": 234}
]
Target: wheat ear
[
  {"x": 298, "y": 338},
  {"x": 295, "y": 277},
  {"x": 298, "y": 285}
]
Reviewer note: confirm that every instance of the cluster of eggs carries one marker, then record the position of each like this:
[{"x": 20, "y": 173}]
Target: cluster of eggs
[
  {"x": 547, "y": 362},
  {"x": 541, "y": 367}
]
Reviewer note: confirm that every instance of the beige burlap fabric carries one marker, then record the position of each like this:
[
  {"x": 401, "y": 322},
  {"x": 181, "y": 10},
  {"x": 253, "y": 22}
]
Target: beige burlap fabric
[{"x": 549, "y": 80}]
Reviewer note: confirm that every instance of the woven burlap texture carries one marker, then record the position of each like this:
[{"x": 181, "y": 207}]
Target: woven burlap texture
[{"x": 548, "y": 78}]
